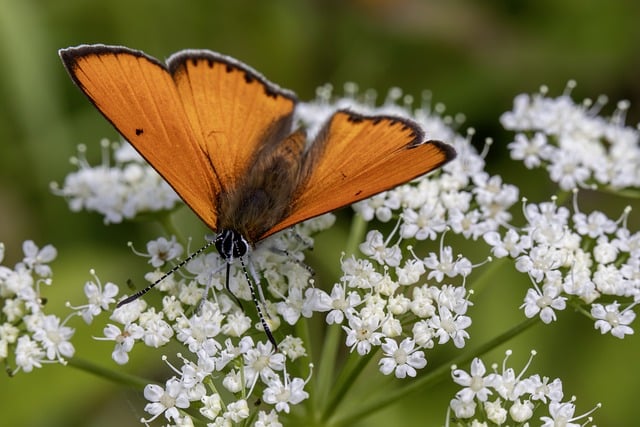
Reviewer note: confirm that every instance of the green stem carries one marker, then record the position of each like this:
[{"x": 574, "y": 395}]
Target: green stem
[
  {"x": 562, "y": 196},
  {"x": 327, "y": 365},
  {"x": 630, "y": 193},
  {"x": 329, "y": 357},
  {"x": 302, "y": 331},
  {"x": 109, "y": 374},
  {"x": 354, "y": 367},
  {"x": 356, "y": 234},
  {"x": 431, "y": 379}
]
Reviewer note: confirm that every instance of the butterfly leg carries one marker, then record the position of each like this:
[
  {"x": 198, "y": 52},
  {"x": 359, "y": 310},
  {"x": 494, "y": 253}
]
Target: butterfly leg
[{"x": 258, "y": 300}]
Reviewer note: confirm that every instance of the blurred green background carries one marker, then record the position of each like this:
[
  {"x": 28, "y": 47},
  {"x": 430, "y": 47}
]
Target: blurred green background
[{"x": 474, "y": 56}]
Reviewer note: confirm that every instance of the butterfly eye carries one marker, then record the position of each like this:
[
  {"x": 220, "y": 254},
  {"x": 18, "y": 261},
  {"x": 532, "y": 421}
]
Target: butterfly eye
[{"x": 231, "y": 245}]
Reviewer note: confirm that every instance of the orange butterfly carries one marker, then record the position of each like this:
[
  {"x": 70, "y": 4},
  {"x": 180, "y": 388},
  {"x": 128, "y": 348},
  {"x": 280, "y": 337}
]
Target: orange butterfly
[{"x": 221, "y": 135}]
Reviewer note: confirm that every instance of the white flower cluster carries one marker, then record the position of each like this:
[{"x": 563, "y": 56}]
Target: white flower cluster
[
  {"x": 247, "y": 367},
  {"x": 506, "y": 397},
  {"x": 224, "y": 347},
  {"x": 393, "y": 298},
  {"x": 588, "y": 257},
  {"x": 584, "y": 258},
  {"x": 403, "y": 293},
  {"x": 120, "y": 191},
  {"x": 27, "y": 333},
  {"x": 578, "y": 147},
  {"x": 384, "y": 301}
]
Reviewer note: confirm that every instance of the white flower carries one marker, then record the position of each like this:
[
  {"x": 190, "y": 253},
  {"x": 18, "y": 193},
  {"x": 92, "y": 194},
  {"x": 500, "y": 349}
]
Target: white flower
[
  {"x": 423, "y": 224},
  {"x": 282, "y": 394},
  {"x": 476, "y": 383},
  {"x": 129, "y": 312},
  {"x": 411, "y": 272},
  {"x": 157, "y": 332},
  {"x": 594, "y": 225},
  {"x": 362, "y": 333},
  {"x": 18, "y": 282},
  {"x": 211, "y": 405},
  {"x": 561, "y": 415},
  {"x": 403, "y": 359},
  {"x": 609, "y": 280},
  {"x": 29, "y": 354},
  {"x": 359, "y": 273},
  {"x": 545, "y": 303},
  {"x": 507, "y": 384},
  {"x": 521, "y": 411},
  {"x": 531, "y": 150},
  {"x": 568, "y": 172},
  {"x": 267, "y": 419},
  {"x": 496, "y": 413},
  {"x": 341, "y": 304},
  {"x": 124, "y": 339},
  {"x": 237, "y": 411},
  {"x": 375, "y": 248},
  {"x": 236, "y": 324},
  {"x": 423, "y": 334},
  {"x": 262, "y": 361},
  {"x": 541, "y": 389},
  {"x": 99, "y": 298},
  {"x": 233, "y": 381},
  {"x": 381, "y": 206},
  {"x": 611, "y": 319},
  {"x": 166, "y": 400},
  {"x": 36, "y": 259},
  {"x": 574, "y": 143},
  {"x": 422, "y": 302},
  {"x": 511, "y": 244},
  {"x": 449, "y": 326},
  {"x": 446, "y": 265},
  {"x": 291, "y": 308},
  {"x": 54, "y": 337},
  {"x": 162, "y": 250},
  {"x": 201, "y": 328},
  {"x": 463, "y": 409}
]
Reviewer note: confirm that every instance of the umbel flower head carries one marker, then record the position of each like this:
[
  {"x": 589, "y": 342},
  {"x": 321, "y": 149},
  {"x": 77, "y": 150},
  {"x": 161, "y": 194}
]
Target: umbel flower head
[
  {"x": 505, "y": 396},
  {"x": 123, "y": 190},
  {"x": 577, "y": 147},
  {"x": 29, "y": 337},
  {"x": 403, "y": 286}
]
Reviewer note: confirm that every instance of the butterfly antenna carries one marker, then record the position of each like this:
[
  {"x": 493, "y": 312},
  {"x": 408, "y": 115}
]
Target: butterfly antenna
[
  {"x": 252, "y": 288},
  {"x": 165, "y": 275}
]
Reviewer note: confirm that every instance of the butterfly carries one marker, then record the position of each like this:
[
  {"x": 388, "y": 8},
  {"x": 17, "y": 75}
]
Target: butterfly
[{"x": 222, "y": 136}]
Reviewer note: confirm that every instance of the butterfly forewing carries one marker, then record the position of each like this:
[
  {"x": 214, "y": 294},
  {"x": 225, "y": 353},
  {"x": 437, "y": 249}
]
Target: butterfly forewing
[
  {"x": 139, "y": 97},
  {"x": 234, "y": 108},
  {"x": 355, "y": 157}
]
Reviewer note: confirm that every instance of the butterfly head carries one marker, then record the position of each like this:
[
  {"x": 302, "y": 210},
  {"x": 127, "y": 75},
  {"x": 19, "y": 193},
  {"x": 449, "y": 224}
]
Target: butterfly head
[{"x": 231, "y": 244}]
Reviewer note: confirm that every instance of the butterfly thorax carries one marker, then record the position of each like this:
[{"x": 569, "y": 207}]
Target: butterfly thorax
[
  {"x": 263, "y": 197},
  {"x": 231, "y": 245}
]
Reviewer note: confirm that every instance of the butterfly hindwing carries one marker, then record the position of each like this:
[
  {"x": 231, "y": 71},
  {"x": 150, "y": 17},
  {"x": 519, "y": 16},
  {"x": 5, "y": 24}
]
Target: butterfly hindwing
[{"x": 355, "y": 157}]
